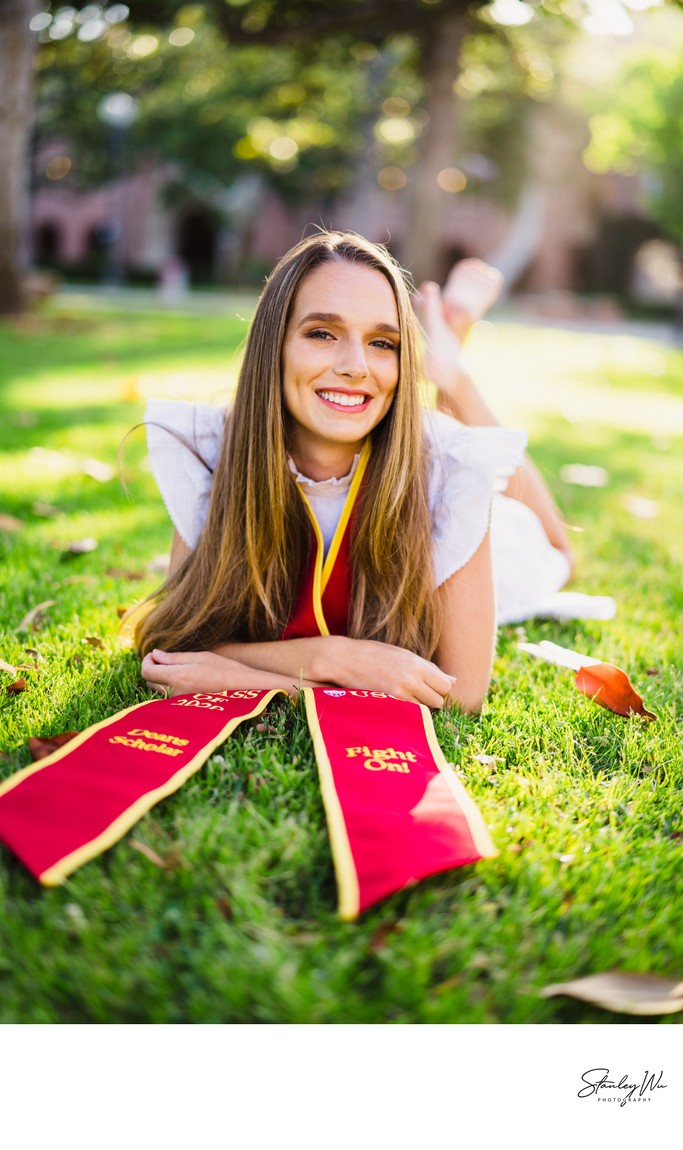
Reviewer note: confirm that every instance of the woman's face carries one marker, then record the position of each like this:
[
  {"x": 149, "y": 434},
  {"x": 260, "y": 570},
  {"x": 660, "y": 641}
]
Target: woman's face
[{"x": 340, "y": 361}]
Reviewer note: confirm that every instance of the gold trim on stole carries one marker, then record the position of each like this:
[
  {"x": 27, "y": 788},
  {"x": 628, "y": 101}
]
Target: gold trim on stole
[
  {"x": 342, "y": 856},
  {"x": 322, "y": 573}
]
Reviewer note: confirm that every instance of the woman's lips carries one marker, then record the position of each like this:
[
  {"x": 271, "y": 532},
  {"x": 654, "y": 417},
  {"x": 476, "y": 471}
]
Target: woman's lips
[{"x": 344, "y": 401}]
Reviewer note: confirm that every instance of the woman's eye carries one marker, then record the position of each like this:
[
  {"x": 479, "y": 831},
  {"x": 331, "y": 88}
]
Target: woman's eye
[
  {"x": 319, "y": 334},
  {"x": 385, "y": 344}
]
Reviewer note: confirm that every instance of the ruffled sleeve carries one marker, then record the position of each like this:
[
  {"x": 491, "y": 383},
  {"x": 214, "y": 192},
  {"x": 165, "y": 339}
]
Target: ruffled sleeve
[
  {"x": 467, "y": 465},
  {"x": 175, "y": 431}
]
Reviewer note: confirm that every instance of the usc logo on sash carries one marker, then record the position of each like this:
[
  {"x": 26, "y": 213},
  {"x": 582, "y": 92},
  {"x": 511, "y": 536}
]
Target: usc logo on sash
[{"x": 383, "y": 759}]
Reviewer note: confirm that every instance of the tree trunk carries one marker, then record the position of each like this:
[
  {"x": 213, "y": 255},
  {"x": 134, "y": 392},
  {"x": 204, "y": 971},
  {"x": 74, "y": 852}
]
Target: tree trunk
[
  {"x": 16, "y": 76},
  {"x": 422, "y": 252}
]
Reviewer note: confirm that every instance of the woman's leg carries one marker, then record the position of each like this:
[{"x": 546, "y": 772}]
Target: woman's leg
[{"x": 446, "y": 320}]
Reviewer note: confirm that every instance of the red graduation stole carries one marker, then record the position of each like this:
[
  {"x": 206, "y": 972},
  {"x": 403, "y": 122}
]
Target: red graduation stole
[
  {"x": 80, "y": 800},
  {"x": 321, "y": 606},
  {"x": 396, "y": 811}
]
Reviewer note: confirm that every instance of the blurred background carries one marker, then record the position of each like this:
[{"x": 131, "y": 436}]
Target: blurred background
[{"x": 188, "y": 145}]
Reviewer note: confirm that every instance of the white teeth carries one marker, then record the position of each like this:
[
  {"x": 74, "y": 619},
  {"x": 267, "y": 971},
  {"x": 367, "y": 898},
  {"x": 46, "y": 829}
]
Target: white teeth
[{"x": 344, "y": 400}]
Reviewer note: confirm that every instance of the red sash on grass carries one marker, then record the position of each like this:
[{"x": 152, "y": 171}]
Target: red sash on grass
[
  {"x": 396, "y": 811},
  {"x": 82, "y": 799}
]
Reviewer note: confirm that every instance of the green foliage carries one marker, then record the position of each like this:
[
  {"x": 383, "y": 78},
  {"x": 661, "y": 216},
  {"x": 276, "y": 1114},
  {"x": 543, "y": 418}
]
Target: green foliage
[
  {"x": 240, "y": 924},
  {"x": 302, "y": 112},
  {"x": 639, "y": 128}
]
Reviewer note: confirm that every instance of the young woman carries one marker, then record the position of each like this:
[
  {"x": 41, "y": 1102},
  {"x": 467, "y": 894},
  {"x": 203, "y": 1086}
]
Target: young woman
[{"x": 328, "y": 529}]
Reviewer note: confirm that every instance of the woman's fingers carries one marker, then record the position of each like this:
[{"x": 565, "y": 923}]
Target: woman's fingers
[{"x": 174, "y": 657}]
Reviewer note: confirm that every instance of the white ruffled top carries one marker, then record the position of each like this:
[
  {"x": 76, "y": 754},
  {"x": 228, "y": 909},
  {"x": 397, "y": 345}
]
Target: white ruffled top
[
  {"x": 466, "y": 466},
  {"x": 468, "y": 472}
]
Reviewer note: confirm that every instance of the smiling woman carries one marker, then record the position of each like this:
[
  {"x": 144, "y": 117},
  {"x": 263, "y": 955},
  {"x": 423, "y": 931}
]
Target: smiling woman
[
  {"x": 340, "y": 367},
  {"x": 328, "y": 531}
]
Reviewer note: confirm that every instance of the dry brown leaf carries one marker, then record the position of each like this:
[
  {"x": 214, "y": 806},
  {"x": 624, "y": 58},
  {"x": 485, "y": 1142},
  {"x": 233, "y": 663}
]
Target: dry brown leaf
[
  {"x": 44, "y": 510},
  {"x": 55, "y": 460},
  {"x": 40, "y": 748},
  {"x": 94, "y": 641},
  {"x": 122, "y": 611},
  {"x": 120, "y": 573},
  {"x": 381, "y": 936},
  {"x": 7, "y": 667},
  {"x": 25, "y": 419},
  {"x": 159, "y": 565},
  {"x": 9, "y": 523},
  {"x": 150, "y": 854},
  {"x": 163, "y": 864},
  {"x": 640, "y": 508},
  {"x": 95, "y": 469},
  {"x": 36, "y": 655},
  {"x": 33, "y": 618},
  {"x": 447, "y": 984},
  {"x": 225, "y": 908},
  {"x": 610, "y": 687},
  {"x": 78, "y": 546},
  {"x": 584, "y": 475},
  {"x": 16, "y": 687},
  {"x": 623, "y": 992}
]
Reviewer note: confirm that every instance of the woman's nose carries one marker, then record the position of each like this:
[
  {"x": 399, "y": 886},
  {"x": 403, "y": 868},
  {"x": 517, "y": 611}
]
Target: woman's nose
[{"x": 351, "y": 360}]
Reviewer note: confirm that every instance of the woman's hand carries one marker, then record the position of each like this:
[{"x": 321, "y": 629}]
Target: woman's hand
[
  {"x": 370, "y": 665},
  {"x": 185, "y": 672}
]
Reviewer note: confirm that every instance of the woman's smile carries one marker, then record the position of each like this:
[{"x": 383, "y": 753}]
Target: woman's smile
[
  {"x": 344, "y": 399},
  {"x": 340, "y": 364}
]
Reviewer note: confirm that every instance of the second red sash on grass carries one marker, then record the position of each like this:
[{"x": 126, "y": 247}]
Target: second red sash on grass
[{"x": 396, "y": 811}]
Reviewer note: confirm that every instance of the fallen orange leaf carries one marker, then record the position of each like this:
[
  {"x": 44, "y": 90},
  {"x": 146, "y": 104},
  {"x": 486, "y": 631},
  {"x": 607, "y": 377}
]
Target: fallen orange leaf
[
  {"x": 16, "y": 687},
  {"x": 611, "y": 687}
]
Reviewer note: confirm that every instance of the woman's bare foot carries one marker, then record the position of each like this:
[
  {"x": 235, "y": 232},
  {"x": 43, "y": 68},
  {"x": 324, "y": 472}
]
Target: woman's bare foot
[
  {"x": 472, "y": 287},
  {"x": 442, "y": 353}
]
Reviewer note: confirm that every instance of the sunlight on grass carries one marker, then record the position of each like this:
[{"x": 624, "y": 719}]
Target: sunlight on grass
[
  {"x": 619, "y": 380},
  {"x": 239, "y": 924}
]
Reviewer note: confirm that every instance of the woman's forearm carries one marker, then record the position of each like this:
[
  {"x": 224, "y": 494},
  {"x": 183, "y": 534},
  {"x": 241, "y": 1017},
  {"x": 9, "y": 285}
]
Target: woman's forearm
[
  {"x": 312, "y": 660},
  {"x": 341, "y": 661}
]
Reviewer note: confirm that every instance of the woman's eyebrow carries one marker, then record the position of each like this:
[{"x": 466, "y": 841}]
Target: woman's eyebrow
[{"x": 332, "y": 317}]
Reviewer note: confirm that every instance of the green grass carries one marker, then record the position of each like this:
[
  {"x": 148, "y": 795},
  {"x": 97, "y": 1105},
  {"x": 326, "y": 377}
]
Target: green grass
[{"x": 240, "y": 926}]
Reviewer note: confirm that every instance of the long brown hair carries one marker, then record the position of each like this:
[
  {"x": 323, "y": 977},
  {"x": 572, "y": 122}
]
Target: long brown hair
[{"x": 240, "y": 582}]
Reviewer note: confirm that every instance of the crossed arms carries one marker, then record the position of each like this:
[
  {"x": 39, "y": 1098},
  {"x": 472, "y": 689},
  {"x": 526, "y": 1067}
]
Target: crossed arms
[{"x": 460, "y": 672}]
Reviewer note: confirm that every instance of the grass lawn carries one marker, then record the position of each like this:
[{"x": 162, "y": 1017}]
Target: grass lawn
[{"x": 240, "y": 924}]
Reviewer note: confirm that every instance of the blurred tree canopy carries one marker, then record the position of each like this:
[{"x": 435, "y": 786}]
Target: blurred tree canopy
[
  {"x": 423, "y": 97},
  {"x": 639, "y": 128},
  {"x": 291, "y": 93}
]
